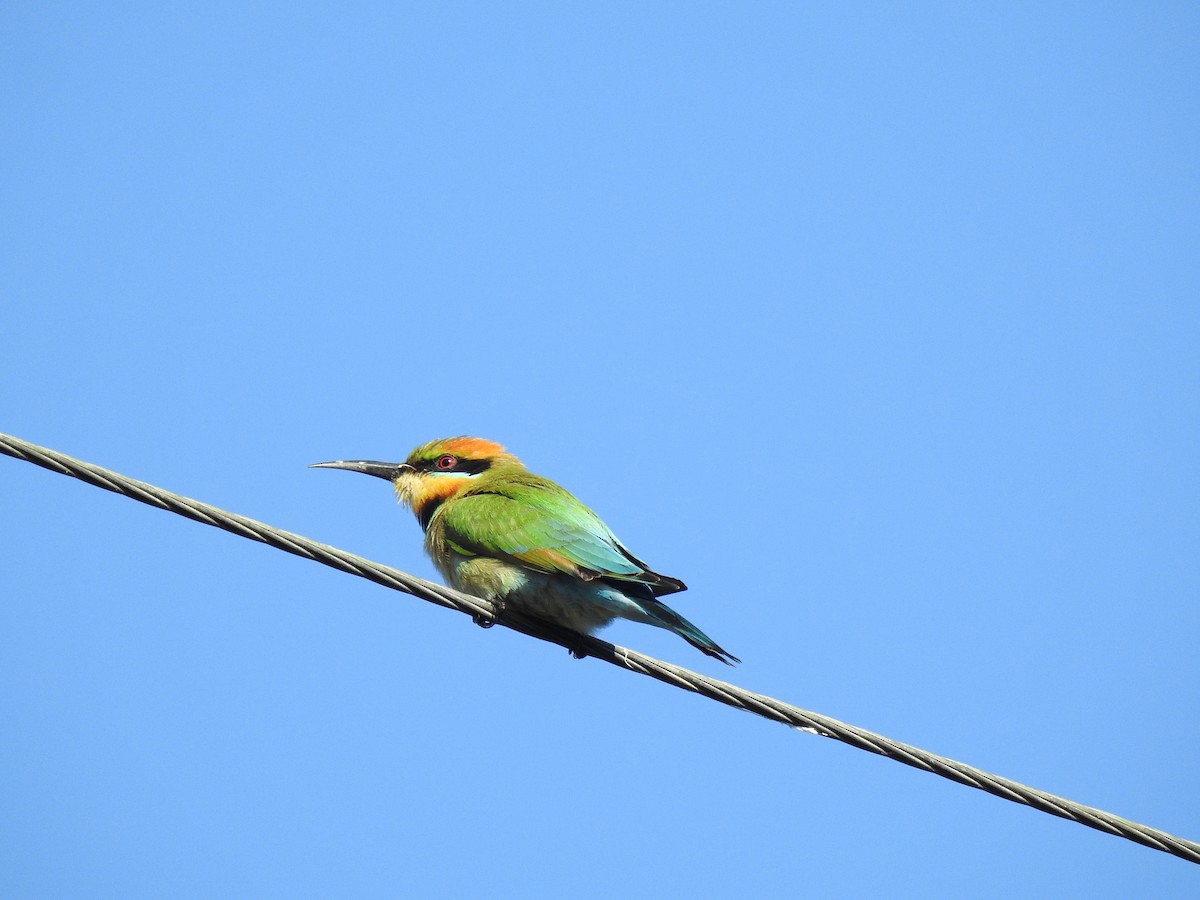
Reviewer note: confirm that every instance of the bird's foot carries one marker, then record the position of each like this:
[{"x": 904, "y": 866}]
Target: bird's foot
[{"x": 488, "y": 621}]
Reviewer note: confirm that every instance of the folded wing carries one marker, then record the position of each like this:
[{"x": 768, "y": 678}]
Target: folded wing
[{"x": 540, "y": 525}]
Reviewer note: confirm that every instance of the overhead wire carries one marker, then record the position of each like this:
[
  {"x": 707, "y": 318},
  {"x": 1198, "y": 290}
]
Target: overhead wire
[{"x": 581, "y": 646}]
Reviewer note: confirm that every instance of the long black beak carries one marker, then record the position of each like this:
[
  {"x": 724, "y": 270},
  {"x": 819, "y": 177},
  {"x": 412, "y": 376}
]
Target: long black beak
[{"x": 386, "y": 470}]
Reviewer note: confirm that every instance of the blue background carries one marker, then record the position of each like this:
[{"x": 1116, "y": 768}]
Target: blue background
[{"x": 877, "y": 325}]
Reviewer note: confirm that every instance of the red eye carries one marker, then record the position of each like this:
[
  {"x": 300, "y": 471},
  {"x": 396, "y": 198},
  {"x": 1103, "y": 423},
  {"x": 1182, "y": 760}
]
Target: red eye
[{"x": 447, "y": 462}]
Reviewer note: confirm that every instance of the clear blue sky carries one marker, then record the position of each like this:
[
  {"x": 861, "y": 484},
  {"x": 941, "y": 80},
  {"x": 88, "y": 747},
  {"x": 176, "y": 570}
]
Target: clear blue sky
[{"x": 877, "y": 325}]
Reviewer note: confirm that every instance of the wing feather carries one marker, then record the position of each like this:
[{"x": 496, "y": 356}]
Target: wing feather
[{"x": 533, "y": 521}]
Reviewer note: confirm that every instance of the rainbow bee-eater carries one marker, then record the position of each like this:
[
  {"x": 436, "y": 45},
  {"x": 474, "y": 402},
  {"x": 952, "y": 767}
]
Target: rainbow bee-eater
[{"x": 497, "y": 531}]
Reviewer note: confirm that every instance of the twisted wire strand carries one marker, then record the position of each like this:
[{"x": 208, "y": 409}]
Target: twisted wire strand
[{"x": 585, "y": 645}]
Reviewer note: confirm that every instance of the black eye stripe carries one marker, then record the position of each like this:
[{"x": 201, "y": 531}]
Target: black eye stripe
[
  {"x": 472, "y": 466},
  {"x": 466, "y": 466}
]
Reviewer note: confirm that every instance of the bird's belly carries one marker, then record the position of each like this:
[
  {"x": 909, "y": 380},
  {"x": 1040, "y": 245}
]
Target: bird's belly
[
  {"x": 483, "y": 577},
  {"x": 578, "y": 605}
]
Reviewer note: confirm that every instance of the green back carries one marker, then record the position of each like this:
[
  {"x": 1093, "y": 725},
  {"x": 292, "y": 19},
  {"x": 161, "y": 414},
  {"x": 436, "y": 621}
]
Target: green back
[{"x": 512, "y": 513}]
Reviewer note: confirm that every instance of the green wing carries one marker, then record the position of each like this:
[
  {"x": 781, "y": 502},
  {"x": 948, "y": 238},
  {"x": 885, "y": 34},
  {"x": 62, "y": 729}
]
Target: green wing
[{"x": 533, "y": 521}]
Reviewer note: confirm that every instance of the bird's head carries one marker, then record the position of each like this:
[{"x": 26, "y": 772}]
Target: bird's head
[{"x": 433, "y": 472}]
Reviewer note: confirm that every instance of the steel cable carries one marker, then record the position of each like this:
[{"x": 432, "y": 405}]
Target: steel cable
[{"x": 584, "y": 645}]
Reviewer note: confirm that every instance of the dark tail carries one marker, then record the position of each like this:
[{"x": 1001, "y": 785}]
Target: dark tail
[{"x": 673, "y": 621}]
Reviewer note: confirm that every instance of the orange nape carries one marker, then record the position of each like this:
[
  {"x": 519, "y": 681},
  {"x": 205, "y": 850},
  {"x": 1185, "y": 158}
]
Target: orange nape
[
  {"x": 473, "y": 447},
  {"x": 462, "y": 447}
]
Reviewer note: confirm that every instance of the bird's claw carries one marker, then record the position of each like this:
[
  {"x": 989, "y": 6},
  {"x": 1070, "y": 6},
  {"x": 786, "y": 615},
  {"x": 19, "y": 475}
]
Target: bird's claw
[{"x": 488, "y": 621}]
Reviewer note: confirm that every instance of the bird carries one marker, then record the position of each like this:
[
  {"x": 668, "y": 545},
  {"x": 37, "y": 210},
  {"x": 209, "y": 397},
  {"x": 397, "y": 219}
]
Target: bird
[{"x": 498, "y": 531}]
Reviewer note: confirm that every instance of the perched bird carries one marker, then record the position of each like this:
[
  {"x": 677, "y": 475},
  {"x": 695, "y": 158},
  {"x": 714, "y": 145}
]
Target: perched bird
[{"x": 497, "y": 531}]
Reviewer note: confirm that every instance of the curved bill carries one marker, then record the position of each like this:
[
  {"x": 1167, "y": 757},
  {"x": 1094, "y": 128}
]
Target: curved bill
[{"x": 385, "y": 470}]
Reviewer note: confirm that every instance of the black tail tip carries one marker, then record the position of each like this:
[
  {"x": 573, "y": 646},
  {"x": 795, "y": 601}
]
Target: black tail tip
[{"x": 717, "y": 653}]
